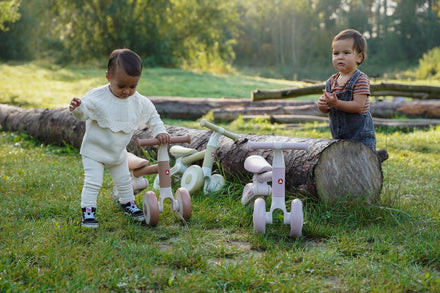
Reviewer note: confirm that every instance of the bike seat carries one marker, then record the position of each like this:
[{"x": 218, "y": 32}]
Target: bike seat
[
  {"x": 257, "y": 164},
  {"x": 134, "y": 162},
  {"x": 180, "y": 151}
]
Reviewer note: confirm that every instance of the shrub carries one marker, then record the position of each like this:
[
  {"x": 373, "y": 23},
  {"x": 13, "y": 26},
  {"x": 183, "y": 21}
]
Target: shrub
[{"x": 429, "y": 64}]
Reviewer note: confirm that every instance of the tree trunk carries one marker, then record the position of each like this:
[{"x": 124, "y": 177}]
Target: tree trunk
[
  {"x": 378, "y": 89},
  {"x": 379, "y": 109},
  {"x": 195, "y": 108},
  {"x": 295, "y": 119},
  {"x": 329, "y": 170},
  {"x": 54, "y": 126}
]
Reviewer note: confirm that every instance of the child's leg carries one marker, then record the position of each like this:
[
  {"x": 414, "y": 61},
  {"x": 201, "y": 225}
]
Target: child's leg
[
  {"x": 93, "y": 176},
  {"x": 122, "y": 180}
]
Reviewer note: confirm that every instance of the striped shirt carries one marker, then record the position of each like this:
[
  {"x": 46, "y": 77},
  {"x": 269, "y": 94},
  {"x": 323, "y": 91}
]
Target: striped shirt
[{"x": 361, "y": 87}]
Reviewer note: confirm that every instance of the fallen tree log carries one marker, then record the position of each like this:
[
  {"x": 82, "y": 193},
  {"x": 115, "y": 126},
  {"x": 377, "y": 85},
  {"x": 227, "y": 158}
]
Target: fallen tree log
[
  {"x": 230, "y": 114},
  {"x": 379, "y": 109},
  {"x": 295, "y": 119},
  {"x": 329, "y": 170},
  {"x": 195, "y": 108},
  {"x": 377, "y": 89}
]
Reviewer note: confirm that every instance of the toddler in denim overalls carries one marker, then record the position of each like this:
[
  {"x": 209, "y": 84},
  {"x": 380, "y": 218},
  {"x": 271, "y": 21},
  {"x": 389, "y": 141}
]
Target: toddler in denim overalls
[
  {"x": 351, "y": 126},
  {"x": 346, "y": 93}
]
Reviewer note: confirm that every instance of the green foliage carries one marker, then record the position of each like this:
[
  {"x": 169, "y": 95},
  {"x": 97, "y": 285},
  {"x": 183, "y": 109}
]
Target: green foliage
[
  {"x": 429, "y": 65},
  {"x": 290, "y": 39},
  {"x": 165, "y": 33},
  {"x": 203, "y": 33},
  {"x": 9, "y": 13}
]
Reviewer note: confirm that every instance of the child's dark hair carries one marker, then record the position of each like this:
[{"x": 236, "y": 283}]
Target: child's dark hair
[
  {"x": 126, "y": 59},
  {"x": 359, "y": 42}
]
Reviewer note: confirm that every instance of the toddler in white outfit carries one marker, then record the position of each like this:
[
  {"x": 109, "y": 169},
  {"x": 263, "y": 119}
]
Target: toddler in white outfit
[{"x": 113, "y": 113}]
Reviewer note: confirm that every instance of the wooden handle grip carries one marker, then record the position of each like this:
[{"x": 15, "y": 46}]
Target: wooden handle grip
[{"x": 155, "y": 141}]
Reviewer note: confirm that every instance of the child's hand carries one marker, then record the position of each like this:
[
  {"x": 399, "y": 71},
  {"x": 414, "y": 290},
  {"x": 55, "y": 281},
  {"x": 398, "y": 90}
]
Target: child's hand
[
  {"x": 322, "y": 104},
  {"x": 164, "y": 138},
  {"x": 331, "y": 99},
  {"x": 74, "y": 104}
]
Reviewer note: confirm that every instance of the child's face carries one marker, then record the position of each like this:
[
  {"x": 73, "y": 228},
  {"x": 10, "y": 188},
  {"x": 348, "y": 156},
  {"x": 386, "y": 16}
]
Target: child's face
[
  {"x": 345, "y": 58},
  {"x": 122, "y": 85}
]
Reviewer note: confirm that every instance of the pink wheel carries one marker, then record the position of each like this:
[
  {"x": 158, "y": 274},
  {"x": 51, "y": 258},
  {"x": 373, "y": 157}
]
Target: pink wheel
[
  {"x": 151, "y": 208},
  {"x": 184, "y": 200},
  {"x": 296, "y": 218},
  {"x": 259, "y": 216}
]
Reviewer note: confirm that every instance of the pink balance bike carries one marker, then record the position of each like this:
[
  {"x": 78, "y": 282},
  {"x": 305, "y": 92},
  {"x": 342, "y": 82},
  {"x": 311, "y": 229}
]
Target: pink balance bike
[
  {"x": 181, "y": 203},
  {"x": 194, "y": 176},
  {"x": 259, "y": 188}
]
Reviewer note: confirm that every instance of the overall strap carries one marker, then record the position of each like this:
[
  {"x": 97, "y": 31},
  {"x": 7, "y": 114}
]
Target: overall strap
[
  {"x": 353, "y": 80},
  {"x": 327, "y": 85}
]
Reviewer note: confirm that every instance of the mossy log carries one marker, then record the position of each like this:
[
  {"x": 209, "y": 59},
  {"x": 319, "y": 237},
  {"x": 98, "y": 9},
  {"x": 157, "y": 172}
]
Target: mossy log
[{"x": 329, "y": 170}]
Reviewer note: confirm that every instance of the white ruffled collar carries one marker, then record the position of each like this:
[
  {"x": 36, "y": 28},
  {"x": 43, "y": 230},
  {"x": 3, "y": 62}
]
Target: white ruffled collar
[{"x": 112, "y": 112}]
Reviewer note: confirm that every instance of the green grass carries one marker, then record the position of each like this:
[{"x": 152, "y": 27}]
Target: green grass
[
  {"x": 44, "y": 85},
  {"x": 392, "y": 246}
]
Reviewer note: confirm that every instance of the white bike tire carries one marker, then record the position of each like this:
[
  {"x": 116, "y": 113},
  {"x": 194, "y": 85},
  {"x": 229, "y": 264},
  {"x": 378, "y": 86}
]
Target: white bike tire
[
  {"x": 259, "y": 216},
  {"x": 192, "y": 178},
  {"x": 296, "y": 218}
]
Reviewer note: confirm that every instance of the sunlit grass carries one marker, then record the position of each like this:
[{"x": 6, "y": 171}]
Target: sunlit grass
[{"x": 49, "y": 86}]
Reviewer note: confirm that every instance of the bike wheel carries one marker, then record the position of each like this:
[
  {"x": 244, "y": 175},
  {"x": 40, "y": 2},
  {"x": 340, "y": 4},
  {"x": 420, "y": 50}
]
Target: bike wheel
[
  {"x": 296, "y": 218},
  {"x": 248, "y": 194},
  {"x": 259, "y": 216},
  {"x": 150, "y": 208},
  {"x": 217, "y": 182},
  {"x": 192, "y": 178},
  {"x": 184, "y": 201}
]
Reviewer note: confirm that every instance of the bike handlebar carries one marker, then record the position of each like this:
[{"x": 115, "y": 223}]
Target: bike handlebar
[
  {"x": 218, "y": 129},
  {"x": 155, "y": 141},
  {"x": 278, "y": 145}
]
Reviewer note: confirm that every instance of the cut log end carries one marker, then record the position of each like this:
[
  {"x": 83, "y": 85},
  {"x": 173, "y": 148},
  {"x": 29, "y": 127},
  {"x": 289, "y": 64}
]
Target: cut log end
[{"x": 348, "y": 170}]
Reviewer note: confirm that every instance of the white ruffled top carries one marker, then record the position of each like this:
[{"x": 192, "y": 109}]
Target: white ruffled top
[{"x": 111, "y": 122}]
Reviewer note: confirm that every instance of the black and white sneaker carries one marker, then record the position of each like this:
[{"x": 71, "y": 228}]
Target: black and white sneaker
[
  {"x": 132, "y": 210},
  {"x": 88, "y": 217}
]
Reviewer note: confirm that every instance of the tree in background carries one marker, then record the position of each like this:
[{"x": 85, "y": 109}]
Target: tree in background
[
  {"x": 202, "y": 33},
  {"x": 195, "y": 33},
  {"x": 287, "y": 38},
  {"x": 9, "y": 13}
]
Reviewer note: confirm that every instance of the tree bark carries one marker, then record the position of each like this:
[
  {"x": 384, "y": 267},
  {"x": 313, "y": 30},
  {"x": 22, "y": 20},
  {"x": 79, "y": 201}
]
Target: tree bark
[
  {"x": 195, "y": 108},
  {"x": 378, "y": 89},
  {"x": 379, "y": 109},
  {"x": 329, "y": 170},
  {"x": 295, "y": 119},
  {"x": 52, "y": 126}
]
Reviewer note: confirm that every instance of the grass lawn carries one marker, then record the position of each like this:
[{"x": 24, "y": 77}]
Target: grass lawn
[
  {"x": 48, "y": 86},
  {"x": 393, "y": 246}
]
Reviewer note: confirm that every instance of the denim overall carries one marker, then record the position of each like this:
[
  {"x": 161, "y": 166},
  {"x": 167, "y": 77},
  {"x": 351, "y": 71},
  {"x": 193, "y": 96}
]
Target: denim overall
[{"x": 351, "y": 126}]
